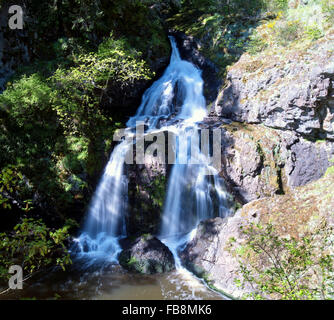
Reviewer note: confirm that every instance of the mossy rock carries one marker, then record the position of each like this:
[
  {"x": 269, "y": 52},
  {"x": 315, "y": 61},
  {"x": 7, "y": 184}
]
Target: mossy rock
[{"x": 147, "y": 255}]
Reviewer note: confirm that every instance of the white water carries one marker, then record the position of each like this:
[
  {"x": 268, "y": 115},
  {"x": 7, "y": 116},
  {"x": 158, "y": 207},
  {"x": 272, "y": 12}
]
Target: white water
[
  {"x": 192, "y": 195},
  {"x": 106, "y": 217},
  {"x": 178, "y": 91}
]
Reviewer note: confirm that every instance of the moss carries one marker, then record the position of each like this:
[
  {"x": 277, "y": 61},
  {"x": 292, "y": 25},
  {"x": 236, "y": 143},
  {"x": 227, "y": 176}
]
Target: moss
[
  {"x": 209, "y": 283},
  {"x": 237, "y": 205},
  {"x": 330, "y": 171},
  {"x": 157, "y": 191}
]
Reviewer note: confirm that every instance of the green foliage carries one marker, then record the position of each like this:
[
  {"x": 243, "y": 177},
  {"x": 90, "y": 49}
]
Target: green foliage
[
  {"x": 11, "y": 183},
  {"x": 33, "y": 246},
  {"x": 275, "y": 5},
  {"x": 78, "y": 90},
  {"x": 313, "y": 32},
  {"x": 223, "y": 26},
  {"x": 284, "y": 268},
  {"x": 81, "y": 23},
  {"x": 328, "y": 9},
  {"x": 158, "y": 191},
  {"x": 27, "y": 99},
  {"x": 55, "y": 128},
  {"x": 256, "y": 44},
  {"x": 287, "y": 31},
  {"x": 330, "y": 170},
  {"x": 30, "y": 132}
]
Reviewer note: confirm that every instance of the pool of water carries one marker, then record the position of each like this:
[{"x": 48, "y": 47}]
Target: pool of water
[{"x": 111, "y": 282}]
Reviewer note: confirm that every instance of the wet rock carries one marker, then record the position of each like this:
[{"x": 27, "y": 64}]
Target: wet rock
[
  {"x": 146, "y": 191},
  {"x": 206, "y": 256},
  {"x": 147, "y": 255}
]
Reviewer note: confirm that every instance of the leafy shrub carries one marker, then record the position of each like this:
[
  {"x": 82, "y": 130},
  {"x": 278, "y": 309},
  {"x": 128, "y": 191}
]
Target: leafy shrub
[
  {"x": 313, "y": 32},
  {"x": 256, "y": 44},
  {"x": 78, "y": 90},
  {"x": 288, "y": 31},
  {"x": 286, "y": 268},
  {"x": 12, "y": 182},
  {"x": 55, "y": 129},
  {"x": 27, "y": 100},
  {"x": 328, "y": 8},
  {"x": 33, "y": 246},
  {"x": 275, "y": 5}
]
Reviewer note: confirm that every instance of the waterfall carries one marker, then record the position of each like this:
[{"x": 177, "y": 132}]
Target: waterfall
[
  {"x": 160, "y": 101},
  {"x": 176, "y": 103},
  {"x": 106, "y": 215}
]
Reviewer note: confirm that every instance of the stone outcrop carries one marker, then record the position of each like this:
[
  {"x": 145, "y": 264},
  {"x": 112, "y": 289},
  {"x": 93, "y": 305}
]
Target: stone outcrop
[
  {"x": 147, "y": 255},
  {"x": 288, "y": 90},
  {"x": 260, "y": 162},
  {"x": 147, "y": 188}
]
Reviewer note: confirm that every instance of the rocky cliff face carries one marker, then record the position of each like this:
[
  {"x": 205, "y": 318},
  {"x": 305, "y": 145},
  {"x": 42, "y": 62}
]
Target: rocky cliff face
[
  {"x": 289, "y": 90},
  {"x": 281, "y": 105},
  {"x": 260, "y": 162}
]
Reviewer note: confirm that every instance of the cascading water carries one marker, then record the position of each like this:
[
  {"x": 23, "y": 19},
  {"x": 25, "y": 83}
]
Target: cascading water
[
  {"x": 161, "y": 100},
  {"x": 193, "y": 194},
  {"x": 105, "y": 222}
]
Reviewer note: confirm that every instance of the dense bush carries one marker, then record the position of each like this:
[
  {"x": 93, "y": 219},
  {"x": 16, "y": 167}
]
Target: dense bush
[
  {"x": 277, "y": 267},
  {"x": 53, "y": 128},
  {"x": 293, "y": 24},
  {"x": 33, "y": 246},
  {"x": 59, "y": 113}
]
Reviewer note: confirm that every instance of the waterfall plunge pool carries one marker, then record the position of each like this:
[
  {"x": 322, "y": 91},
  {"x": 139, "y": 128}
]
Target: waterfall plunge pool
[{"x": 109, "y": 281}]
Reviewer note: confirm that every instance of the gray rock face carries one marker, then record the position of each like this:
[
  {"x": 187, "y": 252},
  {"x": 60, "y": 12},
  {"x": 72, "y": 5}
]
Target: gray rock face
[
  {"x": 147, "y": 255},
  {"x": 259, "y": 162},
  {"x": 294, "y": 91},
  {"x": 307, "y": 162},
  {"x": 206, "y": 256}
]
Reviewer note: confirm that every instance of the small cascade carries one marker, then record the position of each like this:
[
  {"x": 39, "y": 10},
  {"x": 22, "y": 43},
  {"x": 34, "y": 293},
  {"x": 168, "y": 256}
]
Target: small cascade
[
  {"x": 195, "y": 193},
  {"x": 105, "y": 223},
  {"x": 178, "y": 92},
  {"x": 176, "y": 103}
]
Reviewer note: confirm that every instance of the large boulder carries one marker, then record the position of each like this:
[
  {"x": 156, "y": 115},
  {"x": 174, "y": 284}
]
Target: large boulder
[{"x": 147, "y": 255}]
